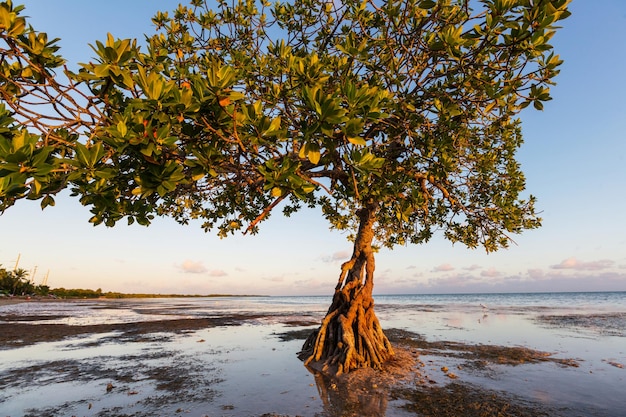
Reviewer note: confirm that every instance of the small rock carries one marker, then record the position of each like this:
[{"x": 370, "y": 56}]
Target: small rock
[{"x": 110, "y": 387}]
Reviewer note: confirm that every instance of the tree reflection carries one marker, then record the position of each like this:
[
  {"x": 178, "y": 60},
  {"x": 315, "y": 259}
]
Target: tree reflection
[{"x": 354, "y": 394}]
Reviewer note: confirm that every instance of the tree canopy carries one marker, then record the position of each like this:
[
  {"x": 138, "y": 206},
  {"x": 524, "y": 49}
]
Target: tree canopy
[{"x": 227, "y": 113}]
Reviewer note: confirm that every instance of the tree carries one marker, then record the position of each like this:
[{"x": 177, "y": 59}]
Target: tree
[
  {"x": 397, "y": 118},
  {"x": 15, "y": 282}
]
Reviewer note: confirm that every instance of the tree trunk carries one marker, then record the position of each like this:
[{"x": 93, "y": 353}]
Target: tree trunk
[{"x": 350, "y": 336}]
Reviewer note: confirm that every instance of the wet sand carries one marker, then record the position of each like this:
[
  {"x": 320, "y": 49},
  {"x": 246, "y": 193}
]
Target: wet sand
[{"x": 146, "y": 358}]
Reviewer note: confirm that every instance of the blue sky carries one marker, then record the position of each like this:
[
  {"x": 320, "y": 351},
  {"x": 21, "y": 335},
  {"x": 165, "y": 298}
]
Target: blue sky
[{"x": 574, "y": 158}]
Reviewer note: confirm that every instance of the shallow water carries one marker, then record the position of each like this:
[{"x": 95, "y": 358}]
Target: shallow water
[{"x": 247, "y": 370}]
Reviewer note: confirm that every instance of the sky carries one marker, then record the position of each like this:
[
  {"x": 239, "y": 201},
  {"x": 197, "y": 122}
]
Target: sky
[{"x": 574, "y": 158}]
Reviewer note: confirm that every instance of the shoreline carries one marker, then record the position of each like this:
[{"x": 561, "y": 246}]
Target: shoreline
[{"x": 123, "y": 296}]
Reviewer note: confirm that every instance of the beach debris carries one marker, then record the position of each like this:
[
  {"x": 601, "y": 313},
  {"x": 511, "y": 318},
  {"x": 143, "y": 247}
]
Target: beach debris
[
  {"x": 568, "y": 363},
  {"x": 132, "y": 392},
  {"x": 110, "y": 387},
  {"x": 447, "y": 372},
  {"x": 616, "y": 364},
  {"x": 201, "y": 340}
]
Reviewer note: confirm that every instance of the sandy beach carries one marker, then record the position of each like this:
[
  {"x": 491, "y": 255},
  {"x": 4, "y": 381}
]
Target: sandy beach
[{"x": 237, "y": 357}]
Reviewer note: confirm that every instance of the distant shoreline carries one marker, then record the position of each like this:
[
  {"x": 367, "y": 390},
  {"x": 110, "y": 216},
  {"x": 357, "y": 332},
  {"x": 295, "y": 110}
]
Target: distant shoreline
[{"x": 114, "y": 296}]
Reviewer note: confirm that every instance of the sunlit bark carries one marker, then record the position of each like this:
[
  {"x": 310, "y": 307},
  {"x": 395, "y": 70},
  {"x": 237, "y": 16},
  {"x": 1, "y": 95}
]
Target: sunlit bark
[{"x": 350, "y": 336}]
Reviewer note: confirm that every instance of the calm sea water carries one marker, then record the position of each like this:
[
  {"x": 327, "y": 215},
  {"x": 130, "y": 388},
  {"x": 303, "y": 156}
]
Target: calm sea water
[
  {"x": 550, "y": 299},
  {"x": 563, "y": 302}
]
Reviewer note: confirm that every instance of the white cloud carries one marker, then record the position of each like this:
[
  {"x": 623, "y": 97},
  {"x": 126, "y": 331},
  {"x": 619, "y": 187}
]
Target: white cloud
[
  {"x": 443, "y": 268},
  {"x": 573, "y": 263},
  {"x": 453, "y": 281},
  {"x": 491, "y": 273},
  {"x": 192, "y": 267},
  {"x": 472, "y": 267},
  {"x": 276, "y": 278},
  {"x": 196, "y": 267},
  {"x": 536, "y": 273},
  {"x": 341, "y": 256}
]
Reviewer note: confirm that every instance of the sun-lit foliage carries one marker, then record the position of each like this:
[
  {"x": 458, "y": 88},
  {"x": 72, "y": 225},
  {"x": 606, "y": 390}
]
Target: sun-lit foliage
[{"x": 228, "y": 112}]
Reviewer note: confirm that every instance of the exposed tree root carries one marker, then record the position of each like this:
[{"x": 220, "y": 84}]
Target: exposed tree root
[{"x": 350, "y": 336}]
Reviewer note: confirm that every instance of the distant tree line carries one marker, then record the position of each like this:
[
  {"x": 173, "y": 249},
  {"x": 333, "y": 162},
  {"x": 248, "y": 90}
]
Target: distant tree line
[
  {"x": 76, "y": 293},
  {"x": 18, "y": 283}
]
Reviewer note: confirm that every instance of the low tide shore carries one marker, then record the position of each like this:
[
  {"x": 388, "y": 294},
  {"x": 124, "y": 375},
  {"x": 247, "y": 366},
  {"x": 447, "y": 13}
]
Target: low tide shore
[{"x": 220, "y": 358}]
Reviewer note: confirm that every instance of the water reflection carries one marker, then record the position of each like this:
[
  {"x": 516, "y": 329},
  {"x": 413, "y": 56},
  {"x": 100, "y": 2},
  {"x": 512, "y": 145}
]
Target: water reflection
[{"x": 345, "y": 397}]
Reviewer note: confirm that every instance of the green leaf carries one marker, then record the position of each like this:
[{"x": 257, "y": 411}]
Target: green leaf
[
  {"x": 36, "y": 187},
  {"x": 274, "y": 127},
  {"x": 96, "y": 152},
  {"x": 313, "y": 153},
  {"x": 101, "y": 70},
  {"x": 121, "y": 127},
  {"x": 359, "y": 141},
  {"x": 236, "y": 96},
  {"x": 82, "y": 154},
  {"x": 453, "y": 109},
  {"x": 40, "y": 156},
  {"x": 308, "y": 188},
  {"x": 47, "y": 201}
]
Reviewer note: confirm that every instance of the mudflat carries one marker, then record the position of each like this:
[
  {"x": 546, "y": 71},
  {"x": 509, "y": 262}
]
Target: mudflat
[{"x": 237, "y": 358}]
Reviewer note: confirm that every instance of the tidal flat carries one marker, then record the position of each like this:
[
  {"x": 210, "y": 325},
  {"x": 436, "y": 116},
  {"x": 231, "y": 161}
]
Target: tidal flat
[{"x": 238, "y": 357}]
